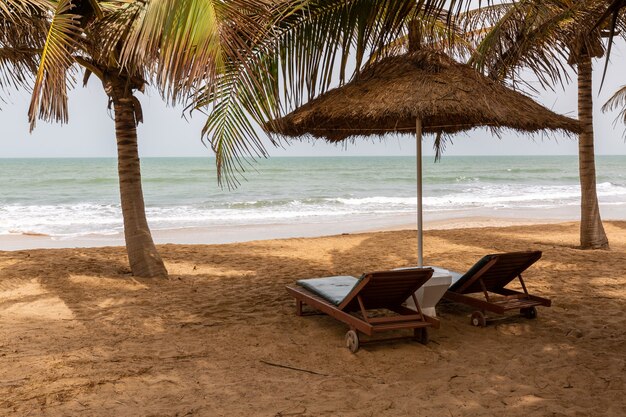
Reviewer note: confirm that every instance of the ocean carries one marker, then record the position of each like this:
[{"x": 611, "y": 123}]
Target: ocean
[{"x": 74, "y": 198}]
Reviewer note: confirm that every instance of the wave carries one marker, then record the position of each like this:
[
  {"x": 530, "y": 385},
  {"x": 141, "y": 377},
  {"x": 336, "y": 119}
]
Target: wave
[
  {"x": 534, "y": 170},
  {"x": 391, "y": 201},
  {"x": 26, "y": 233},
  {"x": 86, "y": 218}
]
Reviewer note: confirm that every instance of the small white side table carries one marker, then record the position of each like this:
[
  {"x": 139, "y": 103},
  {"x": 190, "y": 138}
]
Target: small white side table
[{"x": 431, "y": 292}]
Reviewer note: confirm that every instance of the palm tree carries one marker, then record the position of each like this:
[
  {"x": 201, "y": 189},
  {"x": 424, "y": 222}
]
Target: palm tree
[
  {"x": 181, "y": 46},
  {"x": 176, "y": 45},
  {"x": 541, "y": 36}
]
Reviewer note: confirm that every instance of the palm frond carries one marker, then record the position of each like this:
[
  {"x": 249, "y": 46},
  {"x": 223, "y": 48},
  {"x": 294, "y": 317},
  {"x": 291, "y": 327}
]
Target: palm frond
[
  {"x": 236, "y": 103},
  {"x": 17, "y": 67},
  {"x": 306, "y": 42},
  {"x": 17, "y": 10},
  {"x": 23, "y": 26},
  {"x": 475, "y": 23},
  {"x": 314, "y": 42},
  {"x": 23, "y": 23},
  {"x": 435, "y": 33},
  {"x": 614, "y": 21},
  {"x": 540, "y": 36},
  {"x": 309, "y": 43},
  {"x": 617, "y": 102},
  {"x": 186, "y": 44},
  {"x": 49, "y": 98}
]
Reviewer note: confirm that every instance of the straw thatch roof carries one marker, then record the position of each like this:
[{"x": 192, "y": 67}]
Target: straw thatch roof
[{"x": 389, "y": 95}]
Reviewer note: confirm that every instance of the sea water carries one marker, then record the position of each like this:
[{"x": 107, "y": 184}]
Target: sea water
[{"x": 66, "y": 198}]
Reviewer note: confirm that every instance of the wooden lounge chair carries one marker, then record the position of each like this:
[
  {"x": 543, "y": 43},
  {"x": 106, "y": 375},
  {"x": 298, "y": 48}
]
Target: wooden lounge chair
[
  {"x": 489, "y": 276},
  {"x": 349, "y": 299}
]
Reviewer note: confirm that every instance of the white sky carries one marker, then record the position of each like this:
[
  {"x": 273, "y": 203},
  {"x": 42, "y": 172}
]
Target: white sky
[{"x": 90, "y": 132}]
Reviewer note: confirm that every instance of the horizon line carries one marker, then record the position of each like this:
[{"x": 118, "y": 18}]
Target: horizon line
[{"x": 291, "y": 156}]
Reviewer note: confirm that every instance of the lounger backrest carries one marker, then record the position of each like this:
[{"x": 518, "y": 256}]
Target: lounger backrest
[
  {"x": 504, "y": 268},
  {"x": 386, "y": 289}
]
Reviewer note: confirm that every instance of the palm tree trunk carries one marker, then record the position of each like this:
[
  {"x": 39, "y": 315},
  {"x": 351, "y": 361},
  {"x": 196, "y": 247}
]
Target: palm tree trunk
[
  {"x": 144, "y": 259},
  {"x": 592, "y": 235}
]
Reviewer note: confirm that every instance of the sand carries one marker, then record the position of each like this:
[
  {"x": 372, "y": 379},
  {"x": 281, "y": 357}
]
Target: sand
[{"x": 80, "y": 336}]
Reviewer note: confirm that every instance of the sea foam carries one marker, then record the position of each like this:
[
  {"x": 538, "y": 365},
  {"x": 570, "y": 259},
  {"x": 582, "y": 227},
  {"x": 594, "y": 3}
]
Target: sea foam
[{"x": 42, "y": 197}]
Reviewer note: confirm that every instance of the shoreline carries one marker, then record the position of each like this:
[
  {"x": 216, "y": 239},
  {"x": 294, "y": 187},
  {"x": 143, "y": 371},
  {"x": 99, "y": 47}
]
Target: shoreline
[
  {"x": 478, "y": 217},
  {"x": 227, "y": 234}
]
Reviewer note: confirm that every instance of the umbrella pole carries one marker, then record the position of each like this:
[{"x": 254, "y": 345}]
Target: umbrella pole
[{"x": 420, "y": 240}]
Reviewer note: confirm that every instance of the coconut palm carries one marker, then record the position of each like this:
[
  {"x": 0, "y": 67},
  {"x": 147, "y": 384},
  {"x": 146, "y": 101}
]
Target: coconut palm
[
  {"x": 175, "y": 45},
  {"x": 545, "y": 36},
  {"x": 178, "y": 46}
]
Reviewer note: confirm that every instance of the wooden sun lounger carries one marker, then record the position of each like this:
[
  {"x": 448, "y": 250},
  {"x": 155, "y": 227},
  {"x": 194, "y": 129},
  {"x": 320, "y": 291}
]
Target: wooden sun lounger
[
  {"x": 491, "y": 275},
  {"x": 375, "y": 290}
]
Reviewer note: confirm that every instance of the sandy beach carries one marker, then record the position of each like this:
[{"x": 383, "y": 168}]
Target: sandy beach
[{"x": 80, "y": 336}]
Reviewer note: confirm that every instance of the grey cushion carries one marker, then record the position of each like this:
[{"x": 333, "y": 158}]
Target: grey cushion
[
  {"x": 457, "y": 281},
  {"x": 333, "y": 289},
  {"x": 455, "y": 277}
]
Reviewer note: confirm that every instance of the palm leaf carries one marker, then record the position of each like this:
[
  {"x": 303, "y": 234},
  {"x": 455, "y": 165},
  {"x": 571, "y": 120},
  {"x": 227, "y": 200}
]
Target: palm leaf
[
  {"x": 23, "y": 26},
  {"x": 617, "y": 102},
  {"x": 304, "y": 51},
  {"x": 237, "y": 102},
  {"x": 17, "y": 10},
  {"x": 49, "y": 98},
  {"x": 306, "y": 44},
  {"x": 17, "y": 67},
  {"x": 186, "y": 44},
  {"x": 540, "y": 36},
  {"x": 614, "y": 12}
]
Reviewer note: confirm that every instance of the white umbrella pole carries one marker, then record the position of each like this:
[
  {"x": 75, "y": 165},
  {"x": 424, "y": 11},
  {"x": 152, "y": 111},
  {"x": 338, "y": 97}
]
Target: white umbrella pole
[{"x": 420, "y": 240}]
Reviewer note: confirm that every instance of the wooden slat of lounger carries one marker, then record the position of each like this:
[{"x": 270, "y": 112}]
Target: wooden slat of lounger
[
  {"x": 515, "y": 304},
  {"x": 405, "y": 310},
  {"x": 499, "y": 275},
  {"x": 313, "y": 300},
  {"x": 389, "y": 288},
  {"x": 400, "y": 326},
  {"x": 498, "y": 306},
  {"x": 539, "y": 300},
  {"x": 394, "y": 319},
  {"x": 507, "y": 267}
]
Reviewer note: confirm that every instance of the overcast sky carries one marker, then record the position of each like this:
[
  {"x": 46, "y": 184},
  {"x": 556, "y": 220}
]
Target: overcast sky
[{"x": 90, "y": 132}]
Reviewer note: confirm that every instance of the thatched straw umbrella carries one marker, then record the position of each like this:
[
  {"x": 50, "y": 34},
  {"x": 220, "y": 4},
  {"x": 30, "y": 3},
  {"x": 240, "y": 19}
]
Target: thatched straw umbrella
[{"x": 421, "y": 91}]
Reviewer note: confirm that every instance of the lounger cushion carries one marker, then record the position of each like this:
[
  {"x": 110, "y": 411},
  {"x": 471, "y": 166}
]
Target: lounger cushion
[
  {"x": 333, "y": 289},
  {"x": 455, "y": 277},
  {"x": 458, "y": 279}
]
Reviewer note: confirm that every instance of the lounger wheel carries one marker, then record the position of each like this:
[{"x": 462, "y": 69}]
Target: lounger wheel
[
  {"x": 529, "y": 312},
  {"x": 421, "y": 335},
  {"x": 478, "y": 319},
  {"x": 352, "y": 341}
]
